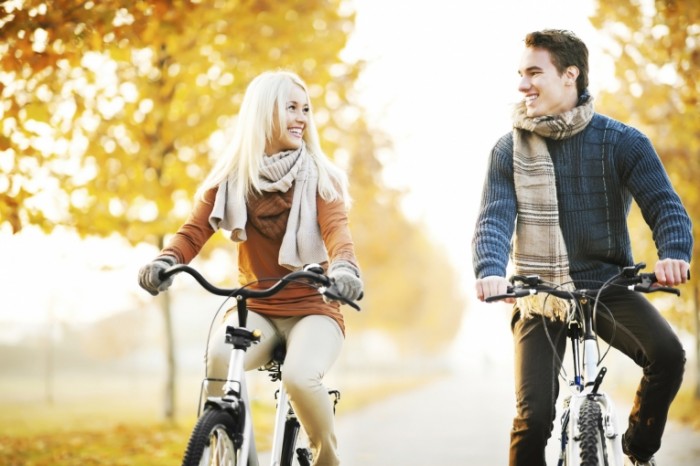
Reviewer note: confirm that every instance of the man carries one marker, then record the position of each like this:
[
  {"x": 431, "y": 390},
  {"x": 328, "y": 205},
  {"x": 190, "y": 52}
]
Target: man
[{"x": 560, "y": 186}]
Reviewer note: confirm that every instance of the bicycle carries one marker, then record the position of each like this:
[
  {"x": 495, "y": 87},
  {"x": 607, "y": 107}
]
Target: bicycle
[
  {"x": 223, "y": 433},
  {"x": 590, "y": 434}
]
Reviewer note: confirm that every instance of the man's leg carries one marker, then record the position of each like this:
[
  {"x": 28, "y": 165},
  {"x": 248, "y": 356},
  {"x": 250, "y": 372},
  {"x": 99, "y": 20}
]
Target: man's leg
[
  {"x": 537, "y": 367},
  {"x": 642, "y": 333}
]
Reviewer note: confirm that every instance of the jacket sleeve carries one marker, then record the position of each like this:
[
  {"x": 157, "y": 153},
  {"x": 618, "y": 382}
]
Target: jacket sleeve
[
  {"x": 335, "y": 230},
  {"x": 194, "y": 233}
]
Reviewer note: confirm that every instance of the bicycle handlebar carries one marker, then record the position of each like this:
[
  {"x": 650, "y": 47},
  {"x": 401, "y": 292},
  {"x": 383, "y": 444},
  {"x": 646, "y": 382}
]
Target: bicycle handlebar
[
  {"x": 630, "y": 278},
  {"x": 311, "y": 273}
]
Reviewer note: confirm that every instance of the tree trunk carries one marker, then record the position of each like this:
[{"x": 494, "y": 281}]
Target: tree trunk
[
  {"x": 49, "y": 353},
  {"x": 171, "y": 366},
  {"x": 696, "y": 312}
]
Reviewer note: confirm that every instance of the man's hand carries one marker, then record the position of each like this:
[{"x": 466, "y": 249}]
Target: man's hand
[
  {"x": 672, "y": 272},
  {"x": 492, "y": 286}
]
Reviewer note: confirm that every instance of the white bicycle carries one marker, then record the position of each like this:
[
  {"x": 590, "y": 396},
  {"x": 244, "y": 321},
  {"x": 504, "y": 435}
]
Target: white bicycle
[
  {"x": 590, "y": 434},
  {"x": 223, "y": 434}
]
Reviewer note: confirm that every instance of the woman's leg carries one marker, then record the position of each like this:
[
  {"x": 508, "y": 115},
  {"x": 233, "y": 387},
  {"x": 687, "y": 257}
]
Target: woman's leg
[{"x": 313, "y": 344}]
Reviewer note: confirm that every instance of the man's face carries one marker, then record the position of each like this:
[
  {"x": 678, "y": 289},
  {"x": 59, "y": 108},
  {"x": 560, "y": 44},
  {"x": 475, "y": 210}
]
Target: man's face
[{"x": 545, "y": 91}]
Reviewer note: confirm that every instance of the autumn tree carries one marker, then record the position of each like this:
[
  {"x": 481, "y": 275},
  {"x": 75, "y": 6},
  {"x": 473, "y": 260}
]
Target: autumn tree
[
  {"x": 111, "y": 108},
  {"x": 413, "y": 291},
  {"x": 656, "y": 48},
  {"x": 111, "y": 111}
]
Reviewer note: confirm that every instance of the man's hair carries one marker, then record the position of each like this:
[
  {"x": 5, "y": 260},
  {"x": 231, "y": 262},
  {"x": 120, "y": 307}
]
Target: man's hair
[{"x": 566, "y": 49}]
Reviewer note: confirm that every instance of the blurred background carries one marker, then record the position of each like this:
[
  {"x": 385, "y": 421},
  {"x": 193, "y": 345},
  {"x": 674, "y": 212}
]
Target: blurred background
[{"x": 112, "y": 110}]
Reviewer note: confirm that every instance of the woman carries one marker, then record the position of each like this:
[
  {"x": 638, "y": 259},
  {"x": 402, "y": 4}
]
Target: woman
[{"x": 285, "y": 205}]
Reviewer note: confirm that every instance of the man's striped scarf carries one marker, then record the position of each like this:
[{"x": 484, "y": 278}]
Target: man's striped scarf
[{"x": 539, "y": 247}]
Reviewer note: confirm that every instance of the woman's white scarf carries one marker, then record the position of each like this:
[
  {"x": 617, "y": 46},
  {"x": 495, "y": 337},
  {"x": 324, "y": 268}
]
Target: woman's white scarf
[
  {"x": 539, "y": 247},
  {"x": 302, "y": 242}
]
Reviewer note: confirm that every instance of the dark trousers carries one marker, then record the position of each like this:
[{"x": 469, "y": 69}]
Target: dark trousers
[{"x": 633, "y": 326}]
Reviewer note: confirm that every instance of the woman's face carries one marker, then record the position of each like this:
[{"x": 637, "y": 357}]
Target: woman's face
[{"x": 297, "y": 114}]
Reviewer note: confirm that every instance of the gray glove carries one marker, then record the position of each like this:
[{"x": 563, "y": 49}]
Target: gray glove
[
  {"x": 346, "y": 279},
  {"x": 149, "y": 275}
]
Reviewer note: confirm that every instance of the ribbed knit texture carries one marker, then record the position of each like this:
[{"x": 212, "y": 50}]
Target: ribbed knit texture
[
  {"x": 538, "y": 246},
  {"x": 302, "y": 242},
  {"x": 598, "y": 171}
]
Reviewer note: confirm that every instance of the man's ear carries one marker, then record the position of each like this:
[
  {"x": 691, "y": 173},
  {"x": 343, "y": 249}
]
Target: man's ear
[{"x": 572, "y": 73}]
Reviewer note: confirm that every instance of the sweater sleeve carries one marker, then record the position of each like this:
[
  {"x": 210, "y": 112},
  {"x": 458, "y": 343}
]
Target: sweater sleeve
[
  {"x": 194, "y": 233},
  {"x": 662, "y": 209},
  {"x": 495, "y": 223},
  {"x": 335, "y": 229}
]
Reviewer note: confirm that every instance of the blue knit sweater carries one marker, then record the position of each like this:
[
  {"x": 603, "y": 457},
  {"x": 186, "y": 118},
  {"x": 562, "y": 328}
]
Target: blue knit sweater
[{"x": 598, "y": 172}]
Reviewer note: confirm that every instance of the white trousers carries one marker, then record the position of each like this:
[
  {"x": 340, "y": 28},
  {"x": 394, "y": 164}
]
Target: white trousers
[{"x": 313, "y": 344}]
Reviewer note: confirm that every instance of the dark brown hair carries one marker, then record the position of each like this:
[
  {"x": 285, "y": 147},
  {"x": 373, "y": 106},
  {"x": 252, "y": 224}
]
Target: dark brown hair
[{"x": 566, "y": 49}]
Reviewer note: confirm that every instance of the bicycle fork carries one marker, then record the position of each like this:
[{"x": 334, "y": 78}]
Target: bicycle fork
[
  {"x": 587, "y": 381},
  {"x": 280, "y": 420}
]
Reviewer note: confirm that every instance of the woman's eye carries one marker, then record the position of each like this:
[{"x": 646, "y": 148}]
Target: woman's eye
[{"x": 306, "y": 110}]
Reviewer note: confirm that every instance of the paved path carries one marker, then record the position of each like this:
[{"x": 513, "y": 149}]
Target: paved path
[
  {"x": 459, "y": 422},
  {"x": 465, "y": 419}
]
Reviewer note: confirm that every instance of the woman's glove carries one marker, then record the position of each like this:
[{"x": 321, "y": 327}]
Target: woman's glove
[
  {"x": 149, "y": 275},
  {"x": 346, "y": 279}
]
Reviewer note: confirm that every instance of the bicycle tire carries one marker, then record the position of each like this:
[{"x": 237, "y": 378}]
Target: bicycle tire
[
  {"x": 591, "y": 435},
  {"x": 214, "y": 440}
]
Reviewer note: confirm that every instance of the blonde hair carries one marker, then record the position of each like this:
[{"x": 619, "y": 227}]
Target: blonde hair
[{"x": 265, "y": 97}]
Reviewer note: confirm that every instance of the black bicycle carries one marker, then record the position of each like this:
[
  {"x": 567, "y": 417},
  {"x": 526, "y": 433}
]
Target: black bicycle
[
  {"x": 223, "y": 434},
  {"x": 590, "y": 435}
]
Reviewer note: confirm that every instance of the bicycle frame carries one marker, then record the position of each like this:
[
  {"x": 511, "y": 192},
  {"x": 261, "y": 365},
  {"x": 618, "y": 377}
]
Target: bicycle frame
[
  {"x": 222, "y": 416},
  {"x": 586, "y": 383},
  {"x": 589, "y": 430},
  {"x": 235, "y": 393}
]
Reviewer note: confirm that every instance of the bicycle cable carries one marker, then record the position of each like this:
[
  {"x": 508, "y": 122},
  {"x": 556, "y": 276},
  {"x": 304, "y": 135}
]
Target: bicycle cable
[{"x": 221, "y": 306}]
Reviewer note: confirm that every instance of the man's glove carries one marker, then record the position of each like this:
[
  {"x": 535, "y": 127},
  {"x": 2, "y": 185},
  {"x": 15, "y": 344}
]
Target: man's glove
[
  {"x": 149, "y": 275},
  {"x": 346, "y": 279}
]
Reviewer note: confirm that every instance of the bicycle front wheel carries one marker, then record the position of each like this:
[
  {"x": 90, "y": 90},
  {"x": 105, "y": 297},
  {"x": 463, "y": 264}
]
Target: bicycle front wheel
[
  {"x": 214, "y": 440},
  {"x": 591, "y": 434}
]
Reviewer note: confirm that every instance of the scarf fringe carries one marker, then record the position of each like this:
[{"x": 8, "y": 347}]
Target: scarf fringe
[{"x": 549, "y": 306}]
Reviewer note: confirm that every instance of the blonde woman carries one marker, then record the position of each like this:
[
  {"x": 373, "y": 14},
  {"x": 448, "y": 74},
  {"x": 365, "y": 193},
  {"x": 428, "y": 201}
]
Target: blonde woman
[{"x": 286, "y": 205}]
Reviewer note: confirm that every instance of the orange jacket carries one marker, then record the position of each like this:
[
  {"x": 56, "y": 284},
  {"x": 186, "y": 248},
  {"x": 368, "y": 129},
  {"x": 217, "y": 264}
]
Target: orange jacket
[{"x": 258, "y": 256}]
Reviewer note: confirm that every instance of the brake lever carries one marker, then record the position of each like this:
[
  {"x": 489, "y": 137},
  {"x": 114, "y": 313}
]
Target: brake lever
[
  {"x": 649, "y": 284},
  {"x": 512, "y": 292},
  {"x": 648, "y": 288},
  {"x": 333, "y": 294},
  {"x": 526, "y": 280}
]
